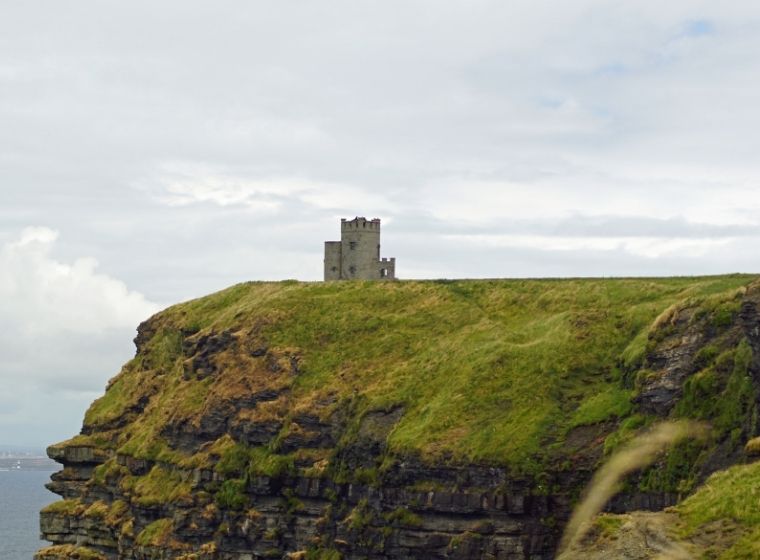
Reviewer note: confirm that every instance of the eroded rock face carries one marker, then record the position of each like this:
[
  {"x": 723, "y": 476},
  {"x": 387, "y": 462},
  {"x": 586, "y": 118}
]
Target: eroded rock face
[
  {"x": 671, "y": 364},
  {"x": 749, "y": 317},
  {"x": 335, "y": 499},
  {"x": 678, "y": 350},
  {"x": 231, "y": 469},
  {"x": 466, "y": 512},
  {"x": 348, "y": 499}
]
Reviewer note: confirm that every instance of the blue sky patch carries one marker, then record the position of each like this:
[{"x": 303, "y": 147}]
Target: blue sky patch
[{"x": 698, "y": 28}]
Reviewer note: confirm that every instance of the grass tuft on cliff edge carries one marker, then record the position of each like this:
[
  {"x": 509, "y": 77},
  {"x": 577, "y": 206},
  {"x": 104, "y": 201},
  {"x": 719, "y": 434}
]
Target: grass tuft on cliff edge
[{"x": 484, "y": 370}]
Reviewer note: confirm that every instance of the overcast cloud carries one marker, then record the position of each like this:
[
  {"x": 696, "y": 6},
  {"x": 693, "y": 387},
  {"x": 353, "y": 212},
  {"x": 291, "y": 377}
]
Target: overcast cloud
[{"x": 155, "y": 151}]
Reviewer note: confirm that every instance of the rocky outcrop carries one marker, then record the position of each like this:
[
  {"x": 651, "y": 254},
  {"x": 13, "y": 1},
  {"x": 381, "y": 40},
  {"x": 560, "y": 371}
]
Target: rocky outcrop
[
  {"x": 681, "y": 346},
  {"x": 465, "y": 512},
  {"x": 639, "y": 536}
]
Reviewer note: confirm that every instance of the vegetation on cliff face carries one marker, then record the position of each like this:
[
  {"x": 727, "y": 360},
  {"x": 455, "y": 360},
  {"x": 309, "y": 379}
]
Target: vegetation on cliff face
[
  {"x": 720, "y": 521},
  {"x": 352, "y": 382},
  {"x": 722, "y": 517},
  {"x": 484, "y": 370}
]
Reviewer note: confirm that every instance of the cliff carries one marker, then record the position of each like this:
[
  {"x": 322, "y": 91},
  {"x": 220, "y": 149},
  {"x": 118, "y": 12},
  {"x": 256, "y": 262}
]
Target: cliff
[{"x": 449, "y": 419}]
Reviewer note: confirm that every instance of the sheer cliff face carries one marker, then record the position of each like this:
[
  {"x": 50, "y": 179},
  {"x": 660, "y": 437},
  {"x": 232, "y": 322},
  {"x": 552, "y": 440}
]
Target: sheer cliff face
[{"x": 404, "y": 420}]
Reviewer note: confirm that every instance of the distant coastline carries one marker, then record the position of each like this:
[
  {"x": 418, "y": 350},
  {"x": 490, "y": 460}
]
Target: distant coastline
[{"x": 9, "y": 462}]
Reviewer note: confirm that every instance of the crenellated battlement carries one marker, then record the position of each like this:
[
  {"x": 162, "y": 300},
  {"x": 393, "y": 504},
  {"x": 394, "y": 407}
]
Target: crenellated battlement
[
  {"x": 360, "y": 223},
  {"x": 357, "y": 254}
]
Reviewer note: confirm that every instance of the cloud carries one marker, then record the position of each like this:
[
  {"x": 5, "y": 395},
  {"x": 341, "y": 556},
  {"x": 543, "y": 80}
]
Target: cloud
[
  {"x": 67, "y": 329},
  {"x": 41, "y": 296},
  {"x": 524, "y": 138},
  {"x": 649, "y": 247},
  {"x": 179, "y": 184},
  {"x": 653, "y": 194}
]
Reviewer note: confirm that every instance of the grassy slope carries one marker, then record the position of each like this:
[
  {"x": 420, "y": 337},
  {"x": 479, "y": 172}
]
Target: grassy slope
[
  {"x": 725, "y": 510},
  {"x": 720, "y": 521},
  {"x": 486, "y": 370}
]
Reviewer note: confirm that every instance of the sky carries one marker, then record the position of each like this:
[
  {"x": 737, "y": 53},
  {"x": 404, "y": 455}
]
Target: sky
[{"x": 152, "y": 152}]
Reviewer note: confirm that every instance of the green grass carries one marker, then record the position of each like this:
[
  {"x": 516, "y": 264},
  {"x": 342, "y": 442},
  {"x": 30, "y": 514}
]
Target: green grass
[
  {"x": 245, "y": 463},
  {"x": 67, "y": 507},
  {"x": 156, "y": 533},
  {"x": 242, "y": 460},
  {"x": 402, "y": 516},
  {"x": 121, "y": 393},
  {"x": 481, "y": 364},
  {"x": 265, "y": 463},
  {"x": 57, "y": 552},
  {"x": 485, "y": 370},
  {"x": 232, "y": 495},
  {"x": 731, "y": 496},
  {"x": 234, "y": 460},
  {"x": 610, "y": 402},
  {"x": 323, "y": 554},
  {"x": 633, "y": 355},
  {"x": 722, "y": 392},
  {"x": 159, "y": 486},
  {"x": 98, "y": 510},
  {"x": 108, "y": 471},
  {"x": 608, "y": 524},
  {"x": 722, "y": 395}
]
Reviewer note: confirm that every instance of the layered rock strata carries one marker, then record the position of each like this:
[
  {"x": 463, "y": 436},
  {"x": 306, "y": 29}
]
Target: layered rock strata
[{"x": 201, "y": 450}]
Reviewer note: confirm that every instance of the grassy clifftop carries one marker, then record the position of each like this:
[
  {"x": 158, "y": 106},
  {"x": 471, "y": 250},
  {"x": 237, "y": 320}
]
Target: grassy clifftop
[
  {"x": 482, "y": 370},
  {"x": 435, "y": 419}
]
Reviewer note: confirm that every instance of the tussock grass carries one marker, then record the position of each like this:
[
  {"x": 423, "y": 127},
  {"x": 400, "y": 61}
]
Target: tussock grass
[
  {"x": 720, "y": 520},
  {"x": 728, "y": 506},
  {"x": 159, "y": 486},
  {"x": 57, "y": 552},
  {"x": 68, "y": 507},
  {"x": 155, "y": 534},
  {"x": 733, "y": 493},
  {"x": 610, "y": 402}
]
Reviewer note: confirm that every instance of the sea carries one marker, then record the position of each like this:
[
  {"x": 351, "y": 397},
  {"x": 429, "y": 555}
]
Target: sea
[{"x": 22, "y": 495}]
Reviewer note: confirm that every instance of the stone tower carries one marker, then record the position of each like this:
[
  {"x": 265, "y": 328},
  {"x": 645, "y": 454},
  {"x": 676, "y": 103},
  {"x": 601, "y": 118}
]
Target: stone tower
[{"x": 357, "y": 255}]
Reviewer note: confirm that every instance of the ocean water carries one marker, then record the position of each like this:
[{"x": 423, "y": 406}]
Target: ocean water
[{"x": 22, "y": 495}]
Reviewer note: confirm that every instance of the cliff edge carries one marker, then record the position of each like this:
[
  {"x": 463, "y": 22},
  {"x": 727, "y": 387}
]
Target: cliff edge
[{"x": 436, "y": 419}]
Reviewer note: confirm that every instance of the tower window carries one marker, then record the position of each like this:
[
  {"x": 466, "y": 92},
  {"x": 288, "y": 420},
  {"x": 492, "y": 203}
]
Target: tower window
[
  {"x": 352, "y": 270},
  {"x": 352, "y": 245},
  {"x": 383, "y": 273}
]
